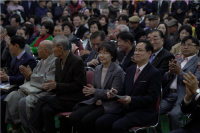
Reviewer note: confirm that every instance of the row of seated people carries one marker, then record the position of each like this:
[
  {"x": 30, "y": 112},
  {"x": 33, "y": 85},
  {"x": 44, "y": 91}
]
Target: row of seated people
[{"x": 142, "y": 94}]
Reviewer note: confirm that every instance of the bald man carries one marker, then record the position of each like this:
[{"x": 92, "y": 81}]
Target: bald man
[{"x": 21, "y": 103}]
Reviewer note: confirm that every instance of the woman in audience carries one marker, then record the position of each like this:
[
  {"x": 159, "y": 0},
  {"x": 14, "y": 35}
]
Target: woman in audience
[
  {"x": 49, "y": 5},
  {"x": 184, "y": 31},
  {"x": 45, "y": 34},
  {"x": 29, "y": 33},
  {"x": 108, "y": 75},
  {"x": 94, "y": 25},
  {"x": 167, "y": 42},
  {"x": 103, "y": 19}
]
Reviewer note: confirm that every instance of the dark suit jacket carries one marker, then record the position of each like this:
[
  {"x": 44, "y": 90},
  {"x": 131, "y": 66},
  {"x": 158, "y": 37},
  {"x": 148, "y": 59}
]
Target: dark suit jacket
[
  {"x": 142, "y": 24},
  {"x": 26, "y": 8},
  {"x": 15, "y": 77},
  {"x": 144, "y": 94},
  {"x": 91, "y": 57},
  {"x": 127, "y": 62},
  {"x": 81, "y": 30},
  {"x": 147, "y": 4},
  {"x": 163, "y": 8},
  {"x": 34, "y": 5},
  {"x": 71, "y": 80},
  {"x": 138, "y": 33},
  {"x": 167, "y": 44},
  {"x": 4, "y": 11},
  {"x": 183, "y": 7},
  {"x": 161, "y": 61},
  {"x": 194, "y": 108}
]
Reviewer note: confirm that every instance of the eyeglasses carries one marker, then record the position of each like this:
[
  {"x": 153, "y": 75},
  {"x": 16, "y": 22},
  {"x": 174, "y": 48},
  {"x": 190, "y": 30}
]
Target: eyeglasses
[{"x": 189, "y": 45}]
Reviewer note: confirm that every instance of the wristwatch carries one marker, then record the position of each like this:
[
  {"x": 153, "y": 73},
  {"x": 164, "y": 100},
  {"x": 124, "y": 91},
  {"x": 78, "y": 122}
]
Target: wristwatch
[{"x": 197, "y": 92}]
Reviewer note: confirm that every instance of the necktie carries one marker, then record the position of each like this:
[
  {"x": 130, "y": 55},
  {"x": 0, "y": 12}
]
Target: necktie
[
  {"x": 13, "y": 68},
  {"x": 151, "y": 59},
  {"x": 136, "y": 74}
]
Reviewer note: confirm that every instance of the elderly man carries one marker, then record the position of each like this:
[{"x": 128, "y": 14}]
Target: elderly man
[
  {"x": 120, "y": 28},
  {"x": 69, "y": 81},
  {"x": 21, "y": 103}
]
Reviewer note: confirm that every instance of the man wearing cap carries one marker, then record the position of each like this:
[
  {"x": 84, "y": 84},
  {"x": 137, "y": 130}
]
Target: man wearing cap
[
  {"x": 134, "y": 25},
  {"x": 153, "y": 23},
  {"x": 173, "y": 30}
]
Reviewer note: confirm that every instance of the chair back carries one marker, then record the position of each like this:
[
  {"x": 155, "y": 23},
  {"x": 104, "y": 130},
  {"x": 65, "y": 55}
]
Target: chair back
[
  {"x": 89, "y": 74},
  {"x": 179, "y": 55}
]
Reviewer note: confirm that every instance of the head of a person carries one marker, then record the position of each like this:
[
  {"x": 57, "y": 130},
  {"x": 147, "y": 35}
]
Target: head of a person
[
  {"x": 15, "y": 2},
  {"x": 165, "y": 15},
  {"x": 189, "y": 46},
  {"x": 146, "y": 20},
  {"x": 155, "y": 37},
  {"x": 184, "y": 31},
  {"x": 17, "y": 44},
  {"x": 49, "y": 14},
  {"x": 84, "y": 19},
  {"x": 114, "y": 2},
  {"x": 172, "y": 26},
  {"x": 46, "y": 28},
  {"x": 67, "y": 28},
  {"x": 62, "y": 19},
  {"x": 42, "y": 3},
  {"x": 190, "y": 13},
  {"x": 96, "y": 13},
  {"x": 167, "y": 19},
  {"x": 123, "y": 19},
  {"x": 45, "y": 49},
  {"x": 96, "y": 39},
  {"x": 143, "y": 52},
  {"x": 58, "y": 30},
  {"x": 87, "y": 12},
  {"x": 125, "y": 12},
  {"x": 153, "y": 21},
  {"x": 83, "y": 4},
  {"x": 142, "y": 11},
  {"x": 93, "y": 4},
  {"x": 125, "y": 41},
  {"x": 1, "y": 33},
  {"x": 120, "y": 28},
  {"x": 21, "y": 32},
  {"x": 77, "y": 20},
  {"x": 134, "y": 22},
  {"x": 63, "y": 2},
  {"x": 185, "y": 20},
  {"x": 103, "y": 19},
  {"x": 46, "y": 19},
  {"x": 163, "y": 27},
  {"x": 107, "y": 53},
  {"x": 49, "y": 4},
  {"x": 15, "y": 20},
  {"x": 10, "y": 31},
  {"x": 34, "y": 19},
  {"x": 65, "y": 13},
  {"x": 94, "y": 26},
  {"x": 105, "y": 12},
  {"x": 29, "y": 28},
  {"x": 60, "y": 46}
]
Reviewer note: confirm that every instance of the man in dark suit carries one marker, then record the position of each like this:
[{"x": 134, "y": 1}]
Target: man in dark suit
[
  {"x": 153, "y": 23},
  {"x": 126, "y": 49},
  {"x": 142, "y": 13},
  {"x": 96, "y": 39},
  {"x": 146, "y": 4},
  {"x": 4, "y": 14},
  {"x": 134, "y": 25},
  {"x": 27, "y": 8},
  {"x": 79, "y": 28},
  {"x": 160, "y": 57},
  {"x": 69, "y": 81},
  {"x": 14, "y": 76},
  {"x": 159, "y": 7},
  {"x": 142, "y": 87},
  {"x": 173, "y": 30}
]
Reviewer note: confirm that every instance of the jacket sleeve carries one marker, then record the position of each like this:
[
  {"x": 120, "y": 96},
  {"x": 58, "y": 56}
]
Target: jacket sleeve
[{"x": 187, "y": 108}]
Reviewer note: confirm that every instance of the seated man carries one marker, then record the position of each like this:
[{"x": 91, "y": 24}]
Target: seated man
[
  {"x": 20, "y": 104},
  {"x": 96, "y": 39},
  {"x": 126, "y": 49},
  {"x": 160, "y": 57},
  {"x": 175, "y": 88},
  {"x": 69, "y": 81},
  {"x": 14, "y": 76},
  {"x": 142, "y": 86}
]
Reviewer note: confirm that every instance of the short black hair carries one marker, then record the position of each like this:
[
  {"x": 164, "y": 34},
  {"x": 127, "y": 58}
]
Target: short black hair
[
  {"x": 11, "y": 31},
  {"x": 97, "y": 34},
  {"x": 77, "y": 16},
  {"x": 111, "y": 48},
  {"x": 124, "y": 17},
  {"x": 187, "y": 28},
  {"x": 194, "y": 40},
  {"x": 48, "y": 25},
  {"x": 148, "y": 46},
  {"x": 22, "y": 28},
  {"x": 104, "y": 16},
  {"x": 69, "y": 25},
  {"x": 143, "y": 8},
  {"x": 126, "y": 36},
  {"x": 29, "y": 28},
  {"x": 167, "y": 31},
  {"x": 36, "y": 19},
  {"x": 158, "y": 31},
  {"x": 18, "y": 19},
  {"x": 63, "y": 18},
  {"x": 18, "y": 40},
  {"x": 85, "y": 17},
  {"x": 95, "y": 22},
  {"x": 88, "y": 9},
  {"x": 114, "y": 1}
]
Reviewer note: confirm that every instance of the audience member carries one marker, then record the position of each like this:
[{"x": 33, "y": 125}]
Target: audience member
[
  {"x": 15, "y": 21},
  {"x": 79, "y": 28},
  {"x": 160, "y": 57},
  {"x": 142, "y": 13},
  {"x": 20, "y": 104},
  {"x": 4, "y": 14},
  {"x": 87, "y": 12},
  {"x": 49, "y": 4},
  {"x": 45, "y": 34},
  {"x": 146, "y": 20},
  {"x": 65, "y": 13},
  {"x": 101, "y": 4},
  {"x": 3, "y": 45},
  {"x": 103, "y": 19},
  {"x": 57, "y": 30},
  {"x": 84, "y": 20},
  {"x": 60, "y": 9},
  {"x": 41, "y": 10},
  {"x": 35, "y": 20},
  {"x": 14, "y": 7},
  {"x": 62, "y": 19},
  {"x": 139, "y": 105},
  {"x": 120, "y": 28},
  {"x": 125, "y": 12},
  {"x": 113, "y": 10},
  {"x": 160, "y": 7},
  {"x": 94, "y": 25},
  {"x": 49, "y": 14},
  {"x": 153, "y": 23},
  {"x": 84, "y": 4},
  {"x": 146, "y": 4},
  {"x": 173, "y": 31},
  {"x": 105, "y": 11},
  {"x": 46, "y": 19},
  {"x": 125, "y": 42},
  {"x": 74, "y": 7},
  {"x": 106, "y": 76},
  {"x": 128, "y": 5},
  {"x": 68, "y": 88},
  {"x": 184, "y": 31},
  {"x": 30, "y": 36},
  {"x": 167, "y": 42}
]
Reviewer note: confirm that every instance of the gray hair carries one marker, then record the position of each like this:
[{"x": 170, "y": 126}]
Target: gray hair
[
  {"x": 48, "y": 19},
  {"x": 2, "y": 29},
  {"x": 104, "y": 9},
  {"x": 123, "y": 28},
  {"x": 61, "y": 40},
  {"x": 48, "y": 45}
]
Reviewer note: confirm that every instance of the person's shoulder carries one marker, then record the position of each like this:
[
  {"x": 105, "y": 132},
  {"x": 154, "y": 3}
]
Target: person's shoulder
[{"x": 166, "y": 53}]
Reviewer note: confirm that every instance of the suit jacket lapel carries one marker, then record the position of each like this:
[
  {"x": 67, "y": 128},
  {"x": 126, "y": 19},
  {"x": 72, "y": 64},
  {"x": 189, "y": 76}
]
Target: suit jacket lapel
[
  {"x": 108, "y": 75},
  {"x": 157, "y": 57},
  {"x": 190, "y": 62}
]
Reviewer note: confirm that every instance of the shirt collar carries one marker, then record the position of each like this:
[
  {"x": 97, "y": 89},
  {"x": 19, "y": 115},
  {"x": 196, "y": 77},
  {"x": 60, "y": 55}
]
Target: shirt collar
[
  {"x": 142, "y": 67},
  {"x": 158, "y": 51},
  {"x": 188, "y": 58},
  {"x": 20, "y": 55}
]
